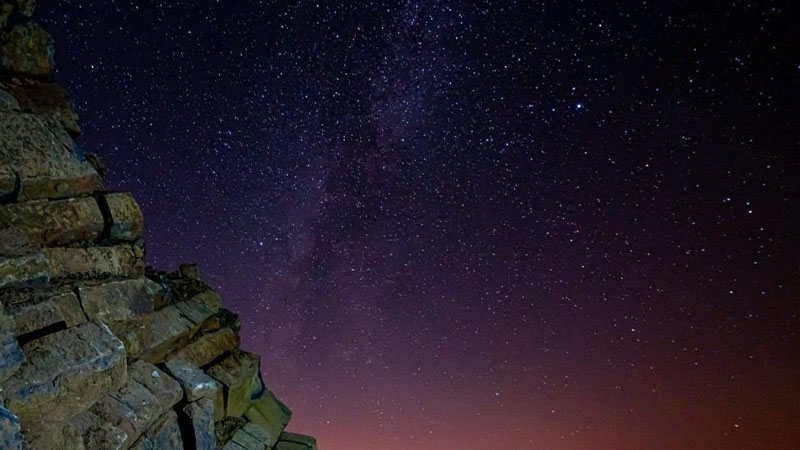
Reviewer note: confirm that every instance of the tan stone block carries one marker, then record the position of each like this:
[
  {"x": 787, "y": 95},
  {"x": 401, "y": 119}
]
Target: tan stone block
[
  {"x": 24, "y": 271},
  {"x": 127, "y": 221},
  {"x": 237, "y": 372},
  {"x": 124, "y": 260},
  {"x": 52, "y": 223},
  {"x": 208, "y": 347},
  {"x": 269, "y": 413}
]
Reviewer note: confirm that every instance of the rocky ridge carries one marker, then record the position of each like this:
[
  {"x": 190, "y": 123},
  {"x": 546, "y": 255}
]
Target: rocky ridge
[{"x": 97, "y": 350}]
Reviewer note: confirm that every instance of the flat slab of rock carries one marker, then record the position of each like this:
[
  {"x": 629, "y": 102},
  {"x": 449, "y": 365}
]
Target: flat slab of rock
[
  {"x": 41, "y": 154},
  {"x": 52, "y": 223},
  {"x": 197, "y": 385},
  {"x": 59, "y": 308},
  {"x": 165, "y": 330},
  {"x": 250, "y": 437},
  {"x": 65, "y": 373},
  {"x": 118, "y": 301},
  {"x": 124, "y": 261},
  {"x": 270, "y": 414},
  {"x": 238, "y": 373}
]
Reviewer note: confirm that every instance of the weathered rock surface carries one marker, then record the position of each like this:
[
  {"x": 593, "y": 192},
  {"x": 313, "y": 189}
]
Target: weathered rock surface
[
  {"x": 64, "y": 373},
  {"x": 97, "y": 351},
  {"x": 51, "y": 223}
]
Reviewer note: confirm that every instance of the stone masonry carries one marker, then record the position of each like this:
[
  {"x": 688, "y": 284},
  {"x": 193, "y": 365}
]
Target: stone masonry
[{"x": 97, "y": 350}]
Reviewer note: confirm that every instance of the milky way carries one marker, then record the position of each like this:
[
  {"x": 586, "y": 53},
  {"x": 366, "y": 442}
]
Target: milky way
[{"x": 473, "y": 225}]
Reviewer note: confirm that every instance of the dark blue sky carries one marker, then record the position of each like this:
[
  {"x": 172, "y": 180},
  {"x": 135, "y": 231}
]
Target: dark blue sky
[{"x": 539, "y": 225}]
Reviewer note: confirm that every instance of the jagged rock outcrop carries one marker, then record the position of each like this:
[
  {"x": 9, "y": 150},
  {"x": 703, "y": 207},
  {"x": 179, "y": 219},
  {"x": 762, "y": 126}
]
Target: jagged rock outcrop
[{"x": 98, "y": 351}]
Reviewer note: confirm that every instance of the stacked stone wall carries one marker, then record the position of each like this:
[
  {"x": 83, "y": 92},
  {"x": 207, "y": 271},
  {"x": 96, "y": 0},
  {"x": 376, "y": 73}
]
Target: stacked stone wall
[{"x": 97, "y": 350}]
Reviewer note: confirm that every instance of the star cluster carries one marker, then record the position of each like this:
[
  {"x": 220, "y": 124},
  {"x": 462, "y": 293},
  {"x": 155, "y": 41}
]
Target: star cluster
[{"x": 473, "y": 225}]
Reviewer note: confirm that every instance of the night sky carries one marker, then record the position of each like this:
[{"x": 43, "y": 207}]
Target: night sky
[{"x": 473, "y": 225}]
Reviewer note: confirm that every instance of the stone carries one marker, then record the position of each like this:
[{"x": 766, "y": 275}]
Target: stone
[
  {"x": 52, "y": 223},
  {"x": 15, "y": 242},
  {"x": 166, "y": 434},
  {"x": 259, "y": 434},
  {"x": 9, "y": 182},
  {"x": 91, "y": 432},
  {"x": 118, "y": 301},
  {"x": 209, "y": 299},
  {"x": 189, "y": 270},
  {"x": 287, "y": 445},
  {"x": 26, "y": 7},
  {"x": 70, "y": 308},
  {"x": 11, "y": 357},
  {"x": 247, "y": 440},
  {"x": 208, "y": 347},
  {"x": 269, "y": 413},
  {"x": 125, "y": 261},
  {"x": 7, "y": 101},
  {"x": 24, "y": 271},
  {"x": 308, "y": 442},
  {"x": 133, "y": 409},
  {"x": 27, "y": 49},
  {"x": 196, "y": 384},
  {"x": 46, "y": 98},
  {"x": 162, "y": 294},
  {"x": 126, "y": 217},
  {"x": 165, "y": 388},
  {"x": 36, "y": 317},
  {"x": 166, "y": 330},
  {"x": 199, "y": 418},
  {"x": 237, "y": 373},
  {"x": 41, "y": 155},
  {"x": 10, "y": 432},
  {"x": 65, "y": 373}
]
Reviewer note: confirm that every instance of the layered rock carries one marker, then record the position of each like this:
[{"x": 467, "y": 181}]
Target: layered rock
[{"x": 97, "y": 351}]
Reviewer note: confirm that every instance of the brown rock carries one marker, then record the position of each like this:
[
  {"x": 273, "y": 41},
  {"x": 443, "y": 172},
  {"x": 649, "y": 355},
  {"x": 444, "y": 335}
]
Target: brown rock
[
  {"x": 237, "y": 373},
  {"x": 124, "y": 260},
  {"x": 126, "y": 217},
  {"x": 165, "y": 434},
  {"x": 200, "y": 417},
  {"x": 51, "y": 223},
  {"x": 307, "y": 442},
  {"x": 269, "y": 413},
  {"x": 47, "y": 98},
  {"x": 118, "y": 301},
  {"x": 63, "y": 374},
  {"x": 208, "y": 347},
  {"x": 39, "y": 151},
  {"x": 167, "y": 329},
  {"x": 27, "y": 49},
  {"x": 165, "y": 388},
  {"x": 24, "y": 271}
]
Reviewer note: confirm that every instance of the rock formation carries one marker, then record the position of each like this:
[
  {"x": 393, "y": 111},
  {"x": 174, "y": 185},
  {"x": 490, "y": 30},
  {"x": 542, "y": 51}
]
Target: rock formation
[{"x": 98, "y": 351}]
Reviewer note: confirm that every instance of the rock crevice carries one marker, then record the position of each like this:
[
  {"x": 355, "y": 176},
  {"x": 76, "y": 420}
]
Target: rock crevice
[{"x": 98, "y": 351}]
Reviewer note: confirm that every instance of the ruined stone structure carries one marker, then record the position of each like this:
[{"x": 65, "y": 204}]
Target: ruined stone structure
[{"x": 98, "y": 351}]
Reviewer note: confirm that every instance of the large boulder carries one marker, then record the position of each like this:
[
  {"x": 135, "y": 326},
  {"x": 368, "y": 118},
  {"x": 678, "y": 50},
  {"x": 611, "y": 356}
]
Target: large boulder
[{"x": 65, "y": 373}]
